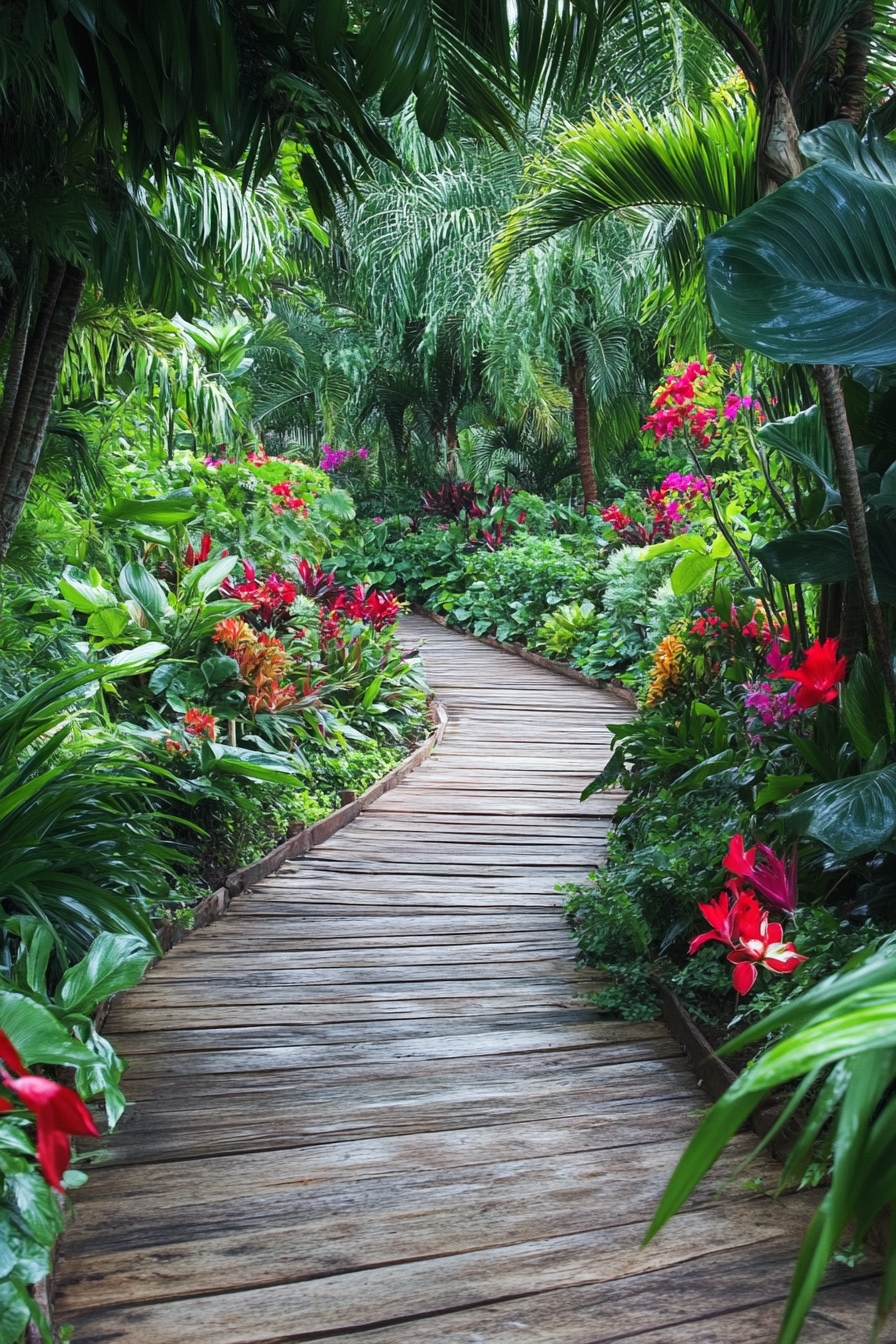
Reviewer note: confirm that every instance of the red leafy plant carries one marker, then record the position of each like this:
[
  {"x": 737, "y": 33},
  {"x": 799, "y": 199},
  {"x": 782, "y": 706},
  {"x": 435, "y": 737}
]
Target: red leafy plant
[
  {"x": 742, "y": 924},
  {"x": 263, "y": 662},
  {"x": 58, "y": 1111},
  {"x": 270, "y": 600},
  {"x": 314, "y": 581},
  {"x": 365, "y": 604}
]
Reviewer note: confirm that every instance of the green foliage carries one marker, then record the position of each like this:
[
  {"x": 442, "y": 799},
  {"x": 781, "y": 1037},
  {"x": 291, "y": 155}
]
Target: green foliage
[
  {"x": 836, "y": 1043},
  {"x": 508, "y": 592},
  {"x": 792, "y": 278},
  {"x": 566, "y": 626}
]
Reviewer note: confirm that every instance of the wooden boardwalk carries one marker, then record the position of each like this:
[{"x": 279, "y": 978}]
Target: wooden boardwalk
[{"x": 370, "y": 1104}]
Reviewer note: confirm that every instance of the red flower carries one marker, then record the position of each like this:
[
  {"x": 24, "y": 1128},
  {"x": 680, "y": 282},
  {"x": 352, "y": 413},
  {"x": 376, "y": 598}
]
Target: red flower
[
  {"x": 744, "y": 927},
  {"x": 200, "y": 724},
  {"x": 59, "y": 1112},
  {"x": 9, "y": 1055},
  {"x": 761, "y": 944},
  {"x": 818, "y": 675},
  {"x": 192, "y": 557},
  {"x": 771, "y": 877},
  {"x": 723, "y": 920}
]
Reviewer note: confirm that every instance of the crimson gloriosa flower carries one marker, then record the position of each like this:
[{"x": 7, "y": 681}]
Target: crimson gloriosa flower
[{"x": 737, "y": 919}]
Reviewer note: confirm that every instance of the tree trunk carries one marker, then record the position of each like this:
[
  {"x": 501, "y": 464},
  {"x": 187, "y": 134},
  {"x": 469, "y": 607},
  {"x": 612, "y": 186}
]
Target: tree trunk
[
  {"x": 778, "y": 159},
  {"x": 9, "y": 441},
  {"x": 576, "y": 371},
  {"x": 452, "y": 445},
  {"x": 853, "y": 632},
  {"x": 18, "y": 471},
  {"x": 853, "y": 79},
  {"x": 14, "y": 364},
  {"x": 830, "y": 395}
]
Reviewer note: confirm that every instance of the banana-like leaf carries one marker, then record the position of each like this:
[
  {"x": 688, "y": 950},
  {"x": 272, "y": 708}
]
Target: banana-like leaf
[
  {"x": 851, "y": 816},
  {"x": 144, "y": 588},
  {"x": 825, "y": 555},
  {"x": 866, "y": 708},
  {"x": 808, "y": 274},
  {"x": 803, "y": 439},
  {"x": 165, "y": 511}
]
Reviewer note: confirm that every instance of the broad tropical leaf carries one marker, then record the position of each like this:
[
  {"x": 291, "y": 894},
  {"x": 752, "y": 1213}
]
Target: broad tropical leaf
[
  {"x": 851, "y": 816},
  {"x": 808, "y": 274}
]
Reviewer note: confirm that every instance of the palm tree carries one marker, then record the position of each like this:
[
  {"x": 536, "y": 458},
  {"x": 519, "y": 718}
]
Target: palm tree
[{"x": 98, "y": 117}]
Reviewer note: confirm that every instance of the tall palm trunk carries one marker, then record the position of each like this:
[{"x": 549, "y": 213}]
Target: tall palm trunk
[
  {"x": 830, "y": 395},
  {"x": 780, "y": 161},
  {"x": 854, "y": 76},
  {"x": 576, "y": 373},
  {"x": 26, "y": 410}
]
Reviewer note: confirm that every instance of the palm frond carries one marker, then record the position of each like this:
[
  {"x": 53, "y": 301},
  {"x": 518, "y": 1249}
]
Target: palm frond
[{"x": 619, "y": 160}]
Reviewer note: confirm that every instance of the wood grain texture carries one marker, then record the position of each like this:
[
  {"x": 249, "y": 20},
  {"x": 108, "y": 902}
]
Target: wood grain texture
[{"x": 373, "y": 1102}]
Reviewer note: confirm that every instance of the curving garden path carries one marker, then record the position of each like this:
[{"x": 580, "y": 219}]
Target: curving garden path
[{"x": 371, "y": 1105}]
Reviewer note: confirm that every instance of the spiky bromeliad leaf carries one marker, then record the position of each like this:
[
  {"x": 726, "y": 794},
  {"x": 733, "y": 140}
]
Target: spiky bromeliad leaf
[
  {"x": 618, "y": 160},
  {"x": 808, "y": 274}
]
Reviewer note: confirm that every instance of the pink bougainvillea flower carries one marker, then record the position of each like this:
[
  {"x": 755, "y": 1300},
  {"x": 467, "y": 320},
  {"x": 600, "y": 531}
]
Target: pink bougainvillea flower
[
  {"x": 818, "y": 675},
  {"x": 774, "y": 879}
]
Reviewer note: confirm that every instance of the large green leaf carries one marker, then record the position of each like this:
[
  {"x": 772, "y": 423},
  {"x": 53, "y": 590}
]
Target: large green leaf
[
  {"x": 85, "y": 595},
  {"x": 114, "y": 962},
  {"x": 803, "y": 439},
  {"x": 851, "y": 816},
  {"x": 137, "y": 583},
  {"x": 866, "y": 707},
  {"x": 825, "y": 556},
  {"x": 808, "y": 274},
  {"x": 165, "y": 511},
  {"x": 269, "y": 767},
  {"x": 37, "y": 1035}
]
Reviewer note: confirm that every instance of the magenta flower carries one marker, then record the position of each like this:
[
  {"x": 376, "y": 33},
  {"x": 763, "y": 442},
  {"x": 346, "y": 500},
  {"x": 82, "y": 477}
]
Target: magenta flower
[{"x": 774, "y": 879}]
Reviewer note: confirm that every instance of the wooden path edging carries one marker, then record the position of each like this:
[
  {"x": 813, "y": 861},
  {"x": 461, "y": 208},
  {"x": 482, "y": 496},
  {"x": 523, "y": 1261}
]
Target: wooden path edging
[
  {"x": 213, "y": 907},
  {"x": 530, "y": 656}
]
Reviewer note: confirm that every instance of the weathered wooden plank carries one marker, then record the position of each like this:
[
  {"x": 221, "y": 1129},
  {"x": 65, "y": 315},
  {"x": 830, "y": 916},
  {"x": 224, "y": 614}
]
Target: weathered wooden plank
[{"x": 373, "y": 1104}]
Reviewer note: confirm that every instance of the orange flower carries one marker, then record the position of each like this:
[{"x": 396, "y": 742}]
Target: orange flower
[
  {"x": 666, "y": 671},
  {"x": 200, "y": 724}
]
